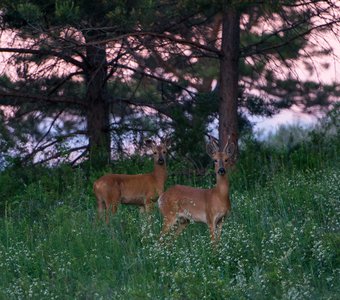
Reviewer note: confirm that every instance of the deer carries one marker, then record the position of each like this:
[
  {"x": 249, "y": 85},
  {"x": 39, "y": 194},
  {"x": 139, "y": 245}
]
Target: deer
[
  {"x": 140, "y": 189},
  {"x": 181, "y": 204}
]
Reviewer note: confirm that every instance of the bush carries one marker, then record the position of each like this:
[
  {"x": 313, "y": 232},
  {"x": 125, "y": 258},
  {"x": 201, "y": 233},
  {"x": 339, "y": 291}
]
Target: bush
[{"x": 281, "y": 240}]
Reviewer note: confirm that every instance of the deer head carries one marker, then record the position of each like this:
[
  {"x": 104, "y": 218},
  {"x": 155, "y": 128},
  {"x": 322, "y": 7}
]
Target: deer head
[
  {"x": 220, "y": 158},
  {"x": 159, "y": 151}
]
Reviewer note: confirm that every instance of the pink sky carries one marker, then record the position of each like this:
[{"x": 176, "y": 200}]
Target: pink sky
[
  {"x": 285, "y": 117},
  {"x": 320, "y": 74}
]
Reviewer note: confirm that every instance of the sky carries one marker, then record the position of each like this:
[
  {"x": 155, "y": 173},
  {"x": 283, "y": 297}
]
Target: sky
[
  {"x": 294, "y": 116},
  {"x": 264, "y": 126}
]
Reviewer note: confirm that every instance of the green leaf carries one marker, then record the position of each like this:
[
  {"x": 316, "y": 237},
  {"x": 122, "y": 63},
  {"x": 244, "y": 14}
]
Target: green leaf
[{"x": 31, "y": 13}]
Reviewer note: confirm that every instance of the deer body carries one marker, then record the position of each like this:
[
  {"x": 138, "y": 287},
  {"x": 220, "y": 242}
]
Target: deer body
[
  {"x": 200, "y": 205},
  {"x": 140, "y": 189},
  {"x": 184, "y": 203}
]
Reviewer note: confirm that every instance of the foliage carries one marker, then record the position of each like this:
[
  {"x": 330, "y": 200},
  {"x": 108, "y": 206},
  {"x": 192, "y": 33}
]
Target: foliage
[
  {"x": 281, "y": 240},
  {"x": 92, "y": 74}
]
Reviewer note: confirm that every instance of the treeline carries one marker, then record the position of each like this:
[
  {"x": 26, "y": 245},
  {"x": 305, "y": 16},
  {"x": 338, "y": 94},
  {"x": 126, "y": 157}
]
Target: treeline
[
  {"x": 87, "y": 81},
  {"x": 258, "y": 162}
]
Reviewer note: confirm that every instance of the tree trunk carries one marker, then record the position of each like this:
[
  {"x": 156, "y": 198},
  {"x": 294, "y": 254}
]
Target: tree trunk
[
  {"x": 98, "y": 118},
  {"x": 229, "y": 64}
]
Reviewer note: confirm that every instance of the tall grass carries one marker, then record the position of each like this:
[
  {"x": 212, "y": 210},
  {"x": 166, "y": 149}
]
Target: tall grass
[{"x": 281, "y": 241}]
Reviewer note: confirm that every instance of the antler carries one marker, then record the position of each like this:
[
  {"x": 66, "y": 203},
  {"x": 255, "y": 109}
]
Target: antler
[
  {"x": 230, "y": 146},
  {"x": 212, "y": 146}
]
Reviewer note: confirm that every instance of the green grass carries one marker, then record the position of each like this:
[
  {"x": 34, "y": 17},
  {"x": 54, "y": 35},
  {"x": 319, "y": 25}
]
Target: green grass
[{"x": 281, "y": 241}]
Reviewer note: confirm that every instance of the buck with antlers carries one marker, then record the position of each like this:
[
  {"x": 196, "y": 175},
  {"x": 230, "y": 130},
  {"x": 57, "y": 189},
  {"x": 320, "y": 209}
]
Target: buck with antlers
[
  {"x": 139, "y": 189},
  {"x": 182, "y": 204}
]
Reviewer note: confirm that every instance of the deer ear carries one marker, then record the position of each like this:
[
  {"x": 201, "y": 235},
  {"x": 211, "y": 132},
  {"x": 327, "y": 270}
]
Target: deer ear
[
  {"x": 211, "y": 147},
  {"x": 166, "y": 141},
  {"x": 229, "y": 148},
  {"x": 149, "y": 143}
]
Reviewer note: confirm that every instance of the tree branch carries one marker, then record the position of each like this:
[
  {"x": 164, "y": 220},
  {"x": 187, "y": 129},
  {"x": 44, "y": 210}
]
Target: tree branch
[
  {"x": 26, "y": 98},
  {"x": 60, "y": 153},
  {"x": 73, "y": 162},
  {"x": 66, "y": 58},
  {"x": 245, "y": 52},
  {"x": 191, "y": 93},
  {"x": 47, "y": 145},
  {"x": 165, "y": 36},
  {"x": 49, "y": 130},
  {"x": 61, "y": 83}
]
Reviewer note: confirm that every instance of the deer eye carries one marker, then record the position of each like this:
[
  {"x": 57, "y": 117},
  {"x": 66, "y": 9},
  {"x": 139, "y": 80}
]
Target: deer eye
[
  {"x": 215, "y": 160},
  {"x": 226, "y": 160},
  {"x": 155, "y": 153},
  {"x": 164, "y": 152}
]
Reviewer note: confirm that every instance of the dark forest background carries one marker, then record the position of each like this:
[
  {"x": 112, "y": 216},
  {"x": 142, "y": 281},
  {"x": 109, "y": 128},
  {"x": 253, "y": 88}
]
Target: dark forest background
[{"x": 90, "y": 80}]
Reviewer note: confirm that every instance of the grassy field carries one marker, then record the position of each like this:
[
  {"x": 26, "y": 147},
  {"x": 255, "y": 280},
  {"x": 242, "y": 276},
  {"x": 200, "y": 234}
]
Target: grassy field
[{"x": 281, "y": 241}]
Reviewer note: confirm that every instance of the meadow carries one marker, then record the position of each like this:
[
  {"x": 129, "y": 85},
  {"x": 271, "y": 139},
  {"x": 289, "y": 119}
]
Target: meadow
[{"x": 281, "y": 241}]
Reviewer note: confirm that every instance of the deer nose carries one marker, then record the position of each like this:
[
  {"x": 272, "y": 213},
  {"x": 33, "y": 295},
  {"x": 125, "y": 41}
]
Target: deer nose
[
  {"x": 221, "y": 171},
  {"x": 161, "y": 161}
]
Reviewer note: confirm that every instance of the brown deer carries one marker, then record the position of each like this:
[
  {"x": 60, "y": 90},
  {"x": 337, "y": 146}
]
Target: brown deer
[
  {"x": 139, "y": 189},
  {"x": 182, "y": 204}
]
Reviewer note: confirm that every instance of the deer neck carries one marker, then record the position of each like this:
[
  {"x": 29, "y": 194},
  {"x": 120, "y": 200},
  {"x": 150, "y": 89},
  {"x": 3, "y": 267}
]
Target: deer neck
[
  {"x": 222, "y": 185},
  {"x": 160, "y": 173}
]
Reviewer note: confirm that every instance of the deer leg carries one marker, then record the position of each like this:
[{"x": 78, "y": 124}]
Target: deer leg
[
  {"x": 212, "y": 228},
  {"x": 219, "y": 228},
  {"x": 113, "y": 207},
  {"x": 112, "y": 204},
  {"x": 181, "y": 226},
  {"x": 101, "y": 208},
  {"x": 211, "y": 222},
  {"x": 212, "y": 232},
  {"x": 142, "y": 208},
  {"x": 107, "y": 217},
  {"x": 148, "y": 206},
  {"x": 168, "y": 223}
]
